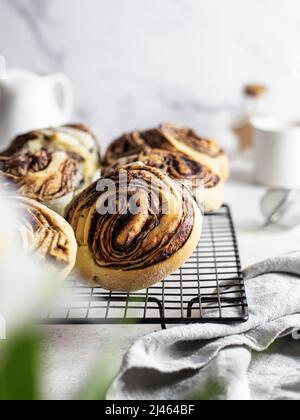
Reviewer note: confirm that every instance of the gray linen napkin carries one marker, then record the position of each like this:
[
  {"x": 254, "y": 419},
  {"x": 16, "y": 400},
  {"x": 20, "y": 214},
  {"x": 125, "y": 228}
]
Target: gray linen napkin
[{"x": 256, "y": 360}]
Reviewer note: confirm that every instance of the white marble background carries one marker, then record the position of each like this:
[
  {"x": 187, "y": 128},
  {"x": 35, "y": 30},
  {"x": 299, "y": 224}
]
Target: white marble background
[{"x": 135, "y": 63}]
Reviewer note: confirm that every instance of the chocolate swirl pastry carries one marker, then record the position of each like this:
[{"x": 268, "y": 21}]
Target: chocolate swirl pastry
[
  {"x": 46, "y": 235},
  {"x": 168, "y": 137},
  {"x": 51, "y": 165},
  {"x": 134, "y": 228},
  {"x": 207, "y": 187}
]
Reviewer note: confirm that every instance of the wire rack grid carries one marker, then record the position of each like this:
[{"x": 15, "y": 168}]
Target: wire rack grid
[{"x": 208, "y": 288}]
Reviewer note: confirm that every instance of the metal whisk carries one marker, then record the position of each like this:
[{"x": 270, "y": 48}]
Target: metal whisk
[{"x": 282, "y": 208}]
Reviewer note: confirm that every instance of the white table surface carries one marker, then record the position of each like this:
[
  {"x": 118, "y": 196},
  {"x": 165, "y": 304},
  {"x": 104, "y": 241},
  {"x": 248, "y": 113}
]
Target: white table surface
[{"x": 71, "y": 352}]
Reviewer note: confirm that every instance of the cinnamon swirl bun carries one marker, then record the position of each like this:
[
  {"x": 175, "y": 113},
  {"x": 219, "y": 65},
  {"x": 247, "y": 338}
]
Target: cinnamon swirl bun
[
  {"x": 134, "y": 228},
  {"x": 168, "y": 137},
  {"x": 207, "y": 187},
  {"x": 46, "y": 235},
  {"x": 51, "y": 165}
]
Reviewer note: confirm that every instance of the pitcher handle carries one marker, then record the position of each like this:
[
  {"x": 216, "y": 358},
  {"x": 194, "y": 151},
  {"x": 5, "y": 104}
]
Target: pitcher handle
[{"x": 60, "y": 80}]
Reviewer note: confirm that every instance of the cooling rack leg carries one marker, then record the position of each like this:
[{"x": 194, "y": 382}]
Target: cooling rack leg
[{"x": 190, "y": 307}]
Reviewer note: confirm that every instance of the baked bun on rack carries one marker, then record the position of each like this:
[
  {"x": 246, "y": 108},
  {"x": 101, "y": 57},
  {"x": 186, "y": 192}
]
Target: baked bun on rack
[
  {"x": 134, "y": 228},
  {"x": 207, "y": 187},
  {"x": 46, "y": 235},
  {"x": 51, "y": 165},
  {"x": 173, "y": 139}
]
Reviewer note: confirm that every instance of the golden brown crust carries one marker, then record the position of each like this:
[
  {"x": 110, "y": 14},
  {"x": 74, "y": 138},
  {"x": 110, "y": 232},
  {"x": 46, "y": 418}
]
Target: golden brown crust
[
  {"x": 176, "y": 165},
  {"x": 26, "y": 172},
  {"x": 152, "y": 219},
  {"x": 173, "y": 139},
  {"x": 126, "y": 145},
  {"x": 80, "y": 127},
  {"x": 191, "y": 139},
  {"x": 207, "y": 187},
  {"x": 47, "y": 165},
  {"x": 113, "y": 237},
  {"x": 160, "y": 138},
  {"x": 46, "y": 235},
  {"x": 138, "y": 279}
]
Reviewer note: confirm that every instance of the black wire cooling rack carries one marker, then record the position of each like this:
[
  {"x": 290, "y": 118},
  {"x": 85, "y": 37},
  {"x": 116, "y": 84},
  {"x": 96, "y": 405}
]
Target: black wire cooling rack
[{"x": 208, "y": 288}]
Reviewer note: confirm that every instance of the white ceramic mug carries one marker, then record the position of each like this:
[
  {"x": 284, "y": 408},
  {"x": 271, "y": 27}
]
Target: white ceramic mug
[{"x": 277, "y": 152}]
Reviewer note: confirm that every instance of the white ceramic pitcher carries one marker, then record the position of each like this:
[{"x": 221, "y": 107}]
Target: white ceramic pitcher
[{"x": 29, "y": 101}]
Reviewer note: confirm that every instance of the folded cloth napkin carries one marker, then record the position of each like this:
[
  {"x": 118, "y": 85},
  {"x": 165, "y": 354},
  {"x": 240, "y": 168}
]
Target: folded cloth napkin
[{"x": 259, "y": 359}]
